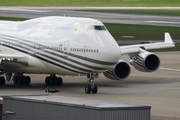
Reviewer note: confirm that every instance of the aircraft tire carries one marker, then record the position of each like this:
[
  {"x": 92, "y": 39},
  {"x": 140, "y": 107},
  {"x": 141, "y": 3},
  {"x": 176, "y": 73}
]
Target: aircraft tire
[
  {"x": 15, "y": 80},
  {"x": 27, "y": 80},
  {"x": 52, "y": 81},
  {"x": 87, "y": 89},
  {"x": 47, "y": 80},
  {"x": 20, "y": 80},
  {"x": 2, "y": 80},
  {"x": 59, "y": 81},
  {"x": 95, "y": 89}
]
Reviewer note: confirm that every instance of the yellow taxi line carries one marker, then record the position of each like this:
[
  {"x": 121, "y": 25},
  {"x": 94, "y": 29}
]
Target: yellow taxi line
[{"x": 170, "y": 69}]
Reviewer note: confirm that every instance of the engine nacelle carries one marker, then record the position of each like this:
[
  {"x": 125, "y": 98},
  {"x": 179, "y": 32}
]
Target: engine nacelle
[
  {"x": 120, "y": 71},
  {"x": 146, "y": 62}
]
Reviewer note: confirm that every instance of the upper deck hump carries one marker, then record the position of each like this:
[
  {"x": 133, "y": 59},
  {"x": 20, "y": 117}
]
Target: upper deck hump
[
  {"x": 8, "y": 25},
  {"x": 53, "y": 19}
]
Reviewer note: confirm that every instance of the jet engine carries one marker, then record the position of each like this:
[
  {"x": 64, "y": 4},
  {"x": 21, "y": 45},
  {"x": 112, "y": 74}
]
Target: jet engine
[
  {"x": 145, "y": 62},
  {"x": 119, "y": 72}
]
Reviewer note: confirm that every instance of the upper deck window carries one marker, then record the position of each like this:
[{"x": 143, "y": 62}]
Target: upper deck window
[{"x": 97, "y": 27}]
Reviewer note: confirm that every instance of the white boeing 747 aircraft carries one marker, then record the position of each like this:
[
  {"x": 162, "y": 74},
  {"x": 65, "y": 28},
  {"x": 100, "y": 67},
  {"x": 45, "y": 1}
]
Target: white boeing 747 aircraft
[{"x": 69, "y": 46}]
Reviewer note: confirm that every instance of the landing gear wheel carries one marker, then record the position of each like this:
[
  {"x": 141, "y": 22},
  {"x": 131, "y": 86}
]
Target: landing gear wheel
[
  {"x": 15, "y": 80},
  {"x": 47, "y": 80},
  {"x": 22, "y": 80},
  {"x": 59, "y": 81},
  {"x": 19, "y": 80},
  {"x": 53, "y": 80},
  {"x": 94, "y": 89},
  {"x": 87, "y": 89},
  {"x": 91, "y": 87},
  {"x": 27, "y": 80},
  {"x": 2, "y": 80}
]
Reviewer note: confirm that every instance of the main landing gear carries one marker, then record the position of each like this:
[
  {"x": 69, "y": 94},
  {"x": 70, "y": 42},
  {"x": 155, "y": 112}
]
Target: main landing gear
[
  {"x": 53, "y": 80},
  {"x": 91, "y": 87},
  {"x": 20, "y": 79}
]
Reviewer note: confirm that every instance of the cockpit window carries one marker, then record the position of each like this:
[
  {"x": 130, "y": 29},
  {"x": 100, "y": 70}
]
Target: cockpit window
[
  {"x": 90, "y": 27},
  {"x": 99, "y": 27},
  {"x": 96, "y": 27}
]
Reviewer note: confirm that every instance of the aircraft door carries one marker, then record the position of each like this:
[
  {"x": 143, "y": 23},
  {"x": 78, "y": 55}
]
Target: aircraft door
[{"x": 66, "y": 48}]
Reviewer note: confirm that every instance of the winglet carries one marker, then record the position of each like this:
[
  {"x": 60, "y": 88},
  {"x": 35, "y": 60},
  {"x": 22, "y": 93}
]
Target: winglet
[{"x": 168, "y": 38}]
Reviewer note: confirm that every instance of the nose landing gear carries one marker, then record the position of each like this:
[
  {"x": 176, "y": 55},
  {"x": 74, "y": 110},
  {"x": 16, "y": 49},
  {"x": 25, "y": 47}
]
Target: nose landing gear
[{"x": 91, "y": 87}]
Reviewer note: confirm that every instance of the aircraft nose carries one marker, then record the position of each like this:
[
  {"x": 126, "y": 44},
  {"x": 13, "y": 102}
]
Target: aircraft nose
[{"x": 110, "y": 47}]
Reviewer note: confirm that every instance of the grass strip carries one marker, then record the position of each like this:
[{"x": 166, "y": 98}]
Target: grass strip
[
  {"x": 83, "y": 3},
  {"x": 13, "y": 18},
  {"x": 141, "y": 32}
]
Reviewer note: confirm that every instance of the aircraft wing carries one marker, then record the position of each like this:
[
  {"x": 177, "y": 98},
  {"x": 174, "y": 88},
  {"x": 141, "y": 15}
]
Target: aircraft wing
[
  {"x": 13, "y": 60},
  {"x": 136, "y": 48}
]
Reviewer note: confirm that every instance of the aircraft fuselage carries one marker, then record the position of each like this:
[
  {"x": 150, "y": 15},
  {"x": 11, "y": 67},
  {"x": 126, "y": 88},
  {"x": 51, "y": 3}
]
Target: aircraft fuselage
[{"x": 59, "y": 45}]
